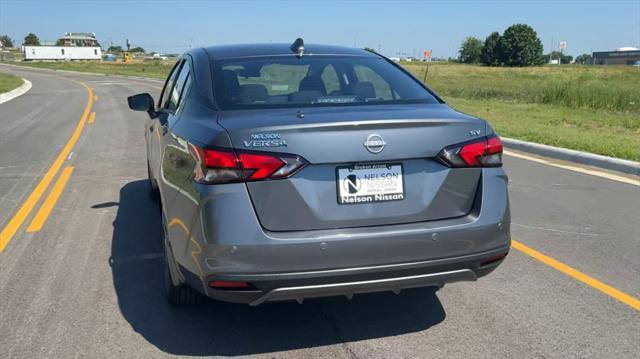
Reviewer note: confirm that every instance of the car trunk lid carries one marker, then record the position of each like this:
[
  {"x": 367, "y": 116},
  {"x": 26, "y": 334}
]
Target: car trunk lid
[{"x": 354, "y": 153}]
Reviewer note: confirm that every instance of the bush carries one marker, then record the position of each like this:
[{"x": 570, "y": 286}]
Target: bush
[{"x": 584, "y": 59}]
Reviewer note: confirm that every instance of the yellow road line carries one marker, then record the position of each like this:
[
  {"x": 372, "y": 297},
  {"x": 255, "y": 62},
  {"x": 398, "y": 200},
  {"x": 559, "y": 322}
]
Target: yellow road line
[
  {"x": 92, "y": 117},
  {"x": 50, "y": 201},
  {"x": 14, "y": 224},
  {"x": 579, "y": 276},
  {"x": 610, "y": 176}
]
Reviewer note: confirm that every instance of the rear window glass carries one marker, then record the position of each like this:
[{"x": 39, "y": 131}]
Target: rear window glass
[{"x": 289, "y": 81}]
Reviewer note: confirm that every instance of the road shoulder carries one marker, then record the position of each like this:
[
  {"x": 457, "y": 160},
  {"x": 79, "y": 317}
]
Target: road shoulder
[
  {"x": 19, "y": 91},
  {"x": 585, "y": 158}
]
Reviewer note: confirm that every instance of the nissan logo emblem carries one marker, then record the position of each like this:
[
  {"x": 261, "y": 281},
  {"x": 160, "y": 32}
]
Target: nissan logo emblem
[{"x": 374, "y": 143}]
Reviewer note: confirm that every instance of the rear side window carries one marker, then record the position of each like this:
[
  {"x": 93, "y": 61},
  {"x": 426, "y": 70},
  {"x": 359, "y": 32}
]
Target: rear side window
[
  {"x": 177, "y": 90},
  {"x": 289, "y": 81},
  {"x": 164, "y": 95}
]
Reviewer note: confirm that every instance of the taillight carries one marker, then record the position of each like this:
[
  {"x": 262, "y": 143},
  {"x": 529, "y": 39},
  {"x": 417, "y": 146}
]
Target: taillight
[
  {"x": 483, "y": 152},
  {"x": 215, "y": 166}
]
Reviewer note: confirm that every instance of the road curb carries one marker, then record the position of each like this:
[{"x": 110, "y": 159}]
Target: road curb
[
  {"x": 586, "y": 158},
  {"x": 20, "y": 90}
]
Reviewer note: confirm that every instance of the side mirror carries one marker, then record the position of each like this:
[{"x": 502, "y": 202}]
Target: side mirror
[{"x": 143, "y": 102}]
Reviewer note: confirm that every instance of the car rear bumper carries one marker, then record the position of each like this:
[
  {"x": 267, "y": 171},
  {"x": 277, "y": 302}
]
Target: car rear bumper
[
  {"x": 306, "y": 264},
  {"x": 268, "y": 287}
]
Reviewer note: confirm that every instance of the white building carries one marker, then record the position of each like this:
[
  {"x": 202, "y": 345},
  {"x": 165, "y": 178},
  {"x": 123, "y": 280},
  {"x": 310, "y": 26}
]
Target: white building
[{"x": 61, "y": 53}]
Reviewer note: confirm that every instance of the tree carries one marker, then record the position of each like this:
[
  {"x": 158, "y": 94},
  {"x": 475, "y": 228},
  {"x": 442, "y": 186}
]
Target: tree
[
  {"x": 137, "y": 49},
  {"x": 584, "y": 59},
  {"x": 114, "y": 49},
  {"x": 557, "y": 55},
  {"x": 31, "y": 40},
  {"x": 521, "y": 46},
  {"x": 60, "y": 42},
  {"x": 491, "y": 51},
  {"x": 470, "y": 50},
  {"x": 566, "y": 59},
  {"x": 6, "y": 41}
]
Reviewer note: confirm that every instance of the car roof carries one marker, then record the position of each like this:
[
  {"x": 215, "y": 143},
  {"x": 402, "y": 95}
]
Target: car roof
[{"x": 275, "y": 49}]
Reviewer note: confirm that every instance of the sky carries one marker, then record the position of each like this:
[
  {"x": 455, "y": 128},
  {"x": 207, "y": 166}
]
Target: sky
[{"x": 395, "y": 28}]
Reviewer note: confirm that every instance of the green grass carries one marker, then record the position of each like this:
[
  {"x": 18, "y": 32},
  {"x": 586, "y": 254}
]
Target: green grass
[
  {"x": 9, "y": 82},
  {"x": 586, "y": 108},
  {"x": 613, "y": 88},
  {"x": 154, "y": 69},
  {"x": 593, "y": 108},
  {"x": 616, "y": 135}
]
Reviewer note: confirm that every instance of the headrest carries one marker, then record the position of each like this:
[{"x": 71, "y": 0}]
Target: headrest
[{"x": 312, "y": 83}]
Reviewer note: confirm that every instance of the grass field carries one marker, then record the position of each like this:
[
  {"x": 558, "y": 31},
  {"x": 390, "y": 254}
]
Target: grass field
[
  {"x": 9, "y": 82},
  {"x": 588, "y": 108},
  {"x": 153, "y": 69},
  {"x": 593, "y": 108}
]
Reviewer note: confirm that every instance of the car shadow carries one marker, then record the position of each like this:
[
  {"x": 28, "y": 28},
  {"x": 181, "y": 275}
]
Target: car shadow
[{"x": 216, "y": 328}]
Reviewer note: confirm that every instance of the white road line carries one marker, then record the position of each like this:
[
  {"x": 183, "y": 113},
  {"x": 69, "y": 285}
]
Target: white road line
[{"x": 576, "y": 169}]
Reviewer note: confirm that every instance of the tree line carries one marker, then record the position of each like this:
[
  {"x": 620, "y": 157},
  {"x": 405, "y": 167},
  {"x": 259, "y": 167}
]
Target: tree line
[
  {"x": 30, "y": 40},
  {"x": 519, "y": 45}
]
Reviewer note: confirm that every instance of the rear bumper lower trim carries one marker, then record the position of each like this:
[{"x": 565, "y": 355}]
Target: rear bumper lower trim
[{"x": 377, "y": 285}]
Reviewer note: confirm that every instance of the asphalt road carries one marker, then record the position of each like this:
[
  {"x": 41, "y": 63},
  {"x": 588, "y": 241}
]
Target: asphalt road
[{"x": 88, "y": 283}]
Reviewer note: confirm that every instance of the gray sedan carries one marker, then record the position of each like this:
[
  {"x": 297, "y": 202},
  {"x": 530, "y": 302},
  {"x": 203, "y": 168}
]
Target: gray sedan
[{"x": 287, "y": 172}]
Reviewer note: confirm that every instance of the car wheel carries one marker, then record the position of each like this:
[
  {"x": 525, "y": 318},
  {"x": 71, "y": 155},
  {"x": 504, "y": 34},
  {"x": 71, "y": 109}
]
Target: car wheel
[
  {"x": 177, "y": 294},
  {"x": 153, "y": 186}
]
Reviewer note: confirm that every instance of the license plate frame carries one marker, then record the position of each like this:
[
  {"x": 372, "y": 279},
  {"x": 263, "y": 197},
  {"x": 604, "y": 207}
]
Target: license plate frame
[{"x": 388, "y": 186}]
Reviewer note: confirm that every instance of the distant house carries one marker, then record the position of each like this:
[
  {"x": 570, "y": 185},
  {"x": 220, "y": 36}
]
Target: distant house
[
  {"x": 80, "y": 39},
  {"x": 71, "y": 46},
  {"x": 61, "y": 53},
  {"x": 621, "y": 56}
]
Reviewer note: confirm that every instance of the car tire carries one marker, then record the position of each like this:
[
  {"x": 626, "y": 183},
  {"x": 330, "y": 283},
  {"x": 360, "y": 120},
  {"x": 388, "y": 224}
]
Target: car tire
[
  {"x": 154, "y": 193},
  {"x": 177, "y": 294}
]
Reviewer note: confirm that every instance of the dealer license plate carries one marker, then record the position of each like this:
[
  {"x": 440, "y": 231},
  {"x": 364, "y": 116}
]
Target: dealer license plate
[{"x": 369, "y": 183}]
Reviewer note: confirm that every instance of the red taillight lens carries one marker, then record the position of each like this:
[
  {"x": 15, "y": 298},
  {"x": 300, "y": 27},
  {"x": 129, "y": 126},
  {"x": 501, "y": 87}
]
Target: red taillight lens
[
  {"x": 472, "y": 153},
  {"x": 215, "y": 166},
  {"x": 262, "y": 166},
  {"x": 219, "y": 159},
  {"x": 484, "y": 152}
]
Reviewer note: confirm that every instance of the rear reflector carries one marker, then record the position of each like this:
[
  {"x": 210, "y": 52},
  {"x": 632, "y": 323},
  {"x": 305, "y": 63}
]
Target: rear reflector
[
  {"x": 225, "y": 284},
  {"x": 483, "y": 152},
  {"x": 216, "y": 166},
  {"x": 495, "y": 259}
]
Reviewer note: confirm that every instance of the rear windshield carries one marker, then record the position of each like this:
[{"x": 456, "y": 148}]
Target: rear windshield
[{"x": 289, "y": 81}]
